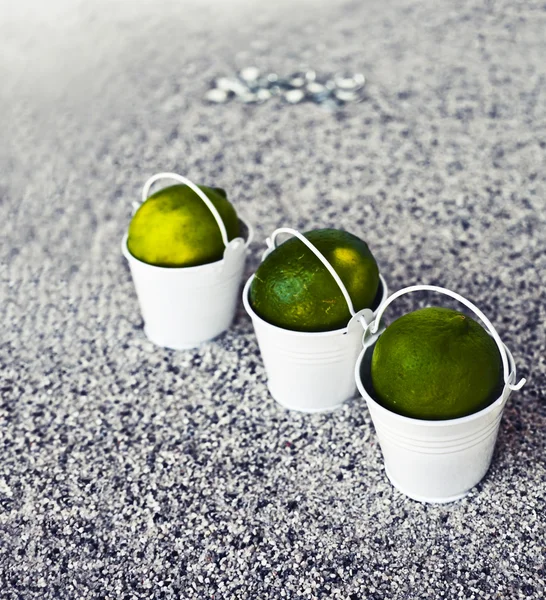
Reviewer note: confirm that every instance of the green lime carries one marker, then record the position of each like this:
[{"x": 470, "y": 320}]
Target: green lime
[
  {"x": 436, "y": 363},
  {"x": 175, "y": 228},
  {"x": 294, "y": 290}
]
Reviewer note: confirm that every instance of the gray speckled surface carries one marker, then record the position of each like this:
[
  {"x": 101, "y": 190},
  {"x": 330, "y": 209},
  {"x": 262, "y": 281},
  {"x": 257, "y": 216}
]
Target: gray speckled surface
[{"x": 128, "y": 471}]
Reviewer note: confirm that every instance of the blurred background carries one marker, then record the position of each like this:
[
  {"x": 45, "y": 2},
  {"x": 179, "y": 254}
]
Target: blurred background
[{"x": 440, "y": 168}]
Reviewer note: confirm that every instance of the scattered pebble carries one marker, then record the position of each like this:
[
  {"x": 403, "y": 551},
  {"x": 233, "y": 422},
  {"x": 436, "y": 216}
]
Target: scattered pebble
[
  {"x": 294, "y": 96},
  {"x": 317, "y": 91},
  {"x": 216, "y": 95},
  {"x": 230, "y": 84},
  {"x": 346, "y": 96},
  {"x": 251, "y": 86},
  {"x": 316, "y": 88},
  {"x": 249, "y": 73},
  {"x": 272, "y": 78},
  {"x": 263, "y": 95},
  {"x": 349, "y": 82}
]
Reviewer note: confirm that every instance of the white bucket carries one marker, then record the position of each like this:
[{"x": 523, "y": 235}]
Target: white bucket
[
  {"x": 310, "y": 372},
  {"x": 186, "y": 306},
  {"x": 435, "y": 461}
]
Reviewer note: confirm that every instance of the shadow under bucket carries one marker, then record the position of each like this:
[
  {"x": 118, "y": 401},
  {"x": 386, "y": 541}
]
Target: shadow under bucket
[{"x": 310, "y": 372}]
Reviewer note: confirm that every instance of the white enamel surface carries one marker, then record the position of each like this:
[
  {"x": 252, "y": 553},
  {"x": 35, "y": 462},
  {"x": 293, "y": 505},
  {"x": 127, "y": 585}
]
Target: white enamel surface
[
  {"x": 436, "y": 461},
  {"x": 184, "y": 307},
  {"x": 308, "y": 372}
]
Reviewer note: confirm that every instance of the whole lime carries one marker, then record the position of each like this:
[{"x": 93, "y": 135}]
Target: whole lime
[
  {"x": 435, "y": 363},
  {"x": 292, "y": 289},
  {"x": 175, "y": 228}
]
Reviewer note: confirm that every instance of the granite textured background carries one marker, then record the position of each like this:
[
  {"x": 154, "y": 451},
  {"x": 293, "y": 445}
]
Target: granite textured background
[{"x": 128, "y": 471}]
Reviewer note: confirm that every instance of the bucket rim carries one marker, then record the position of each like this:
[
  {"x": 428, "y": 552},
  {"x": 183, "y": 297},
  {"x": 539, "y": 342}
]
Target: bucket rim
[
  {"x": 440, "y": 423},
  {"x": 334, "y": 332},
  {"x": 246, "y": 242}
]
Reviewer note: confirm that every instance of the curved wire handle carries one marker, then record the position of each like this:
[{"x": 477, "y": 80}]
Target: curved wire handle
[
  {"x": 200, "y": 193},
  {"x": 374, "y": 325},
  {"x": 271, "y": 244}
]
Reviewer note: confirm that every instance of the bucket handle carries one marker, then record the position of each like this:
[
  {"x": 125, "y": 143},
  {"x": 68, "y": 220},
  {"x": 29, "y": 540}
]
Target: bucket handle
[
  {"x": 271, "y": 243},
  {"x": 192, "y": 186},
  {"x": 374, "y": 325}
]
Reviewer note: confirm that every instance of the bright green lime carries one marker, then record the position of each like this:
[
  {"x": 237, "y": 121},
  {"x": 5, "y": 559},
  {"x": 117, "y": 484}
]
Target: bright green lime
[
  {"x": 436, "y": 363},
  {"x": 175, "y": 228}
]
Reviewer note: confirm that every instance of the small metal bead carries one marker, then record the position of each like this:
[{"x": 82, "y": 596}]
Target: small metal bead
[
  {"x": 347, "y": 96},
  {"x": 315, "y": 88},
  {"x": 262, "y": 95},
  {"x": 229, "y": 84},
  {"x": 347, "y": 82},
  {"x": 294, "y": 96},
  {"x": 317, "y": 91},
  {"x": 360, "y": 79},
  {"x": 216, "y": 96},
  {"x": 223, "y": 83},
  {"x": 250, "y": 86},
  {"x": 249, "y": 74}
]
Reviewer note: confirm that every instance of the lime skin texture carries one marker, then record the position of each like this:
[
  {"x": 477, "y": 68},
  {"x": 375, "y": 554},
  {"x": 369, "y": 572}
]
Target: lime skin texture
[
  {"x": 175, "y": 228},
  {"x": 436, "y": 363},
  {"x": 292, "y": 289}
]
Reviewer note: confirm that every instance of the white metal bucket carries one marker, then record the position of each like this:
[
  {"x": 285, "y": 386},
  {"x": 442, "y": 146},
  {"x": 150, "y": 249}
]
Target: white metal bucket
[
  {"x": 186, "y": 306},
  {"x": 310, "y": 372},
  {"x": 435, "y": 461}
]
